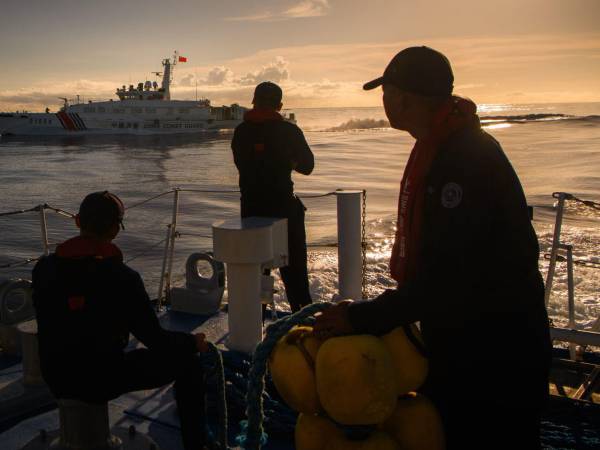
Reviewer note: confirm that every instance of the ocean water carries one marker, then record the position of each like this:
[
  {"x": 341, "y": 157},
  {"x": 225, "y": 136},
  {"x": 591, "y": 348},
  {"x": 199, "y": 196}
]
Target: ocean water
[{"x": 553, "y": 147}]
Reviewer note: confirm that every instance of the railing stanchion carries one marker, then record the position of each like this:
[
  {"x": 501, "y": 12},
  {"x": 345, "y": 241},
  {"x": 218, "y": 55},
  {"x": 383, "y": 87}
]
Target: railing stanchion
[
  {"x": 172, "y": 240},
  {"x": 555, "y": 245},
  {"x": 571, "y": 294},
  {"x": 44, "y": 230},
  {"x": 159, "y": 296}
]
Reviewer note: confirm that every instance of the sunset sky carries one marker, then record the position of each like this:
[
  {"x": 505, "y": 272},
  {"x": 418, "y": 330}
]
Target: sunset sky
[{"x": 320, "y": 51}]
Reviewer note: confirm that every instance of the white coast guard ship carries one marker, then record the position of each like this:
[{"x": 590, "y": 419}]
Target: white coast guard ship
[{"x": 142, "y": 109}]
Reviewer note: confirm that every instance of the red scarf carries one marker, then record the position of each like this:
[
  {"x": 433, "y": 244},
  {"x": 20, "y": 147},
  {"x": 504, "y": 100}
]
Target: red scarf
[
  {"x": 259, "y": 115},
  {"x": 80, "y": 247},
  {"x": 452, "y": 116}
]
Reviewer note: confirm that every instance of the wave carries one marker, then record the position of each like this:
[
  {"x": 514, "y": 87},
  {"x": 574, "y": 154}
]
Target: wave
[
  {"x": 361, "y": 124},
  {"x": 368, "y": 124},
  {"x": 539, "y": 117}
]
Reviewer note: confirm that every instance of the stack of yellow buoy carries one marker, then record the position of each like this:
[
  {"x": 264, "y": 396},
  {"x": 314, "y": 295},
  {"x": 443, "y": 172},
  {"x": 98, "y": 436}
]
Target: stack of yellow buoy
[{"x": 356, "y": 380}]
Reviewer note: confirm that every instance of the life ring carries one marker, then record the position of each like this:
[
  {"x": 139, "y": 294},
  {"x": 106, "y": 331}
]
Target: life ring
[{"x": 16, "y": 303}]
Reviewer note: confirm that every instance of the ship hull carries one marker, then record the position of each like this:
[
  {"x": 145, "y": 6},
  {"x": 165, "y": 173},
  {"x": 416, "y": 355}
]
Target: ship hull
[{"x": 129, "y": 117}]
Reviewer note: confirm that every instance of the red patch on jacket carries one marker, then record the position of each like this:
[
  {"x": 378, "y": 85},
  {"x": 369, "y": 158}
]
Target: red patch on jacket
[
  {"x": 76, "y": 302},
  {"x": 259, "y": 148}
]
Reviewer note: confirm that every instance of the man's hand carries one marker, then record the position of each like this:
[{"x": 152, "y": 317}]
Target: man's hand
[
  {"x": 201, "y": 343},
  {"x": 334, "y": 321}
]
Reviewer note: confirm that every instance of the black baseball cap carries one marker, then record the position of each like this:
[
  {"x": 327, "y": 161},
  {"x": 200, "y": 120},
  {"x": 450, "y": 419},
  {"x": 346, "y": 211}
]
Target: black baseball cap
[
  {"x": 421, "y": 70},
  {"x": 268, "y": 93},
  {"x": 101, "y": 210}
]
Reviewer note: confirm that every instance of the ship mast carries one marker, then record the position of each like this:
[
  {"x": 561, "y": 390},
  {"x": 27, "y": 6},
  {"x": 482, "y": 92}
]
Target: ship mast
[{"x": 168, "y": 74}]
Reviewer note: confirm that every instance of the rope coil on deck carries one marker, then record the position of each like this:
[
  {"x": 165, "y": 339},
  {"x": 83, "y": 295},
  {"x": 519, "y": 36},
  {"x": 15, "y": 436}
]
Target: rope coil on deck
[
  {"x": 253, "y": 435},
  {"x": 215, "y": 365}
]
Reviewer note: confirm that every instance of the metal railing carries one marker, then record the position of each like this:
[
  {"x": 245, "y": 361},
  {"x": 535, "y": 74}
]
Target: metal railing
[
  {"x": 172, "y": 233},
  {"x": 571, "y": 334}
]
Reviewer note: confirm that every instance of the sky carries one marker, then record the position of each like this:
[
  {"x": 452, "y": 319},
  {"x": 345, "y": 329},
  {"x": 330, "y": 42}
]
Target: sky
[{"x": 319, "y": 51}]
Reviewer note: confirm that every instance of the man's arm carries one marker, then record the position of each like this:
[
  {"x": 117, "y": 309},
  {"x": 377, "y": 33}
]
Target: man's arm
[
  {"x": 452, "y": 281},
  {"x": 144, "y": 324},
  {"x": 235, "y": 147},
  {"x": 303, "y": 158}
]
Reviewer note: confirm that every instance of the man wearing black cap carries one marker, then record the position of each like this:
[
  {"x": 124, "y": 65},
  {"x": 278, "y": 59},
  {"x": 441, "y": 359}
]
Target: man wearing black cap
[
  {"x": 465, "y": 258},
  {"x": 266, "y": 149},
  {"x": 87, "y": 302}
]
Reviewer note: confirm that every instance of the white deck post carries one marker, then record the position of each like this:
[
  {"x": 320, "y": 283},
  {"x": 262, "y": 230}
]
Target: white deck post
[
  {"x": 349, "y": 244},
  {"x": 245, "y": 245}
]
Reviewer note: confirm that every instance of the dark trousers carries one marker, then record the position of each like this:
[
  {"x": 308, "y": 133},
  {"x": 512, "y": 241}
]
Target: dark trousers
[
  {"x": 485, "y": 424},
  {"x": 295, "y": 274},
  {"x": 145, "y": 369}
]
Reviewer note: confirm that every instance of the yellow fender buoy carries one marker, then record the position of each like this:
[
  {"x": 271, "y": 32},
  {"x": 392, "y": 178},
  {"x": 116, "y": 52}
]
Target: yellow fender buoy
[
  {"x": 416, "y": 424},
  {"x": 356, "y": 380},
  {"x": 378, "y": 440},
  {"x": 410, "y": 365},
  {"x": 315, "y": 432},
  {"x": 292, "y": 367}
]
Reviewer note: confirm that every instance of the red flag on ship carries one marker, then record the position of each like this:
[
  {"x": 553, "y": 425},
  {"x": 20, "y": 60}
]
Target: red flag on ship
[{"x": 182, "y": 59}]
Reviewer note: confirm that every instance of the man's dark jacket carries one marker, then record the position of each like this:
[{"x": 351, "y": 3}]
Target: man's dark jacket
[
  {"x": 266, "y": 149},
  {"x": 87, "y": 303},
  {"x": 478, "y": 293}
]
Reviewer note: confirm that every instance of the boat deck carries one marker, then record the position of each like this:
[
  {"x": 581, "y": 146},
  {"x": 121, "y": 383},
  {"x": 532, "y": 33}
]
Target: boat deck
[{"x": 568, "y": 423}]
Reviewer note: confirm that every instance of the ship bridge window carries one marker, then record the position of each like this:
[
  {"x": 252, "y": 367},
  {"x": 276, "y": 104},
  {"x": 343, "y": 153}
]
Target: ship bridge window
[
  {"x": 136, "y": 110},
  {"x": 118, "y": 110},
  {"x": 184, "y": 110},
  {"x": 150, "y": 110},
  {"x": 169, "y": 110},
  {"x": 101, "y": 109},
  {"x": 89, "y": 109}
]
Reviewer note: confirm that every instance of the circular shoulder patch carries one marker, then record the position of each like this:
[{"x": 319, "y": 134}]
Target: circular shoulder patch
[{"x": 451, "y": 195}]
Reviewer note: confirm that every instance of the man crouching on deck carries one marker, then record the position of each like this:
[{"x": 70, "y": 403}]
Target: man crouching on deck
[
  {"x": 87, "y": 302},
  {"x": 466, "y": 261}
]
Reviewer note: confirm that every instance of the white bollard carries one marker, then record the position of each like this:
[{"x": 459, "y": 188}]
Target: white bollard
[
  {"x": 245, "y": 308},
  {"x": 349, "y": 219},
  {"x": 245, "y": 245}
]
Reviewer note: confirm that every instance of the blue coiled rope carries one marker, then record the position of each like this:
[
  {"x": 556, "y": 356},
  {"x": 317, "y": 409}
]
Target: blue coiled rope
[
  {"x": 213, "y": 362},
  {"x": 252, "y": 435}
]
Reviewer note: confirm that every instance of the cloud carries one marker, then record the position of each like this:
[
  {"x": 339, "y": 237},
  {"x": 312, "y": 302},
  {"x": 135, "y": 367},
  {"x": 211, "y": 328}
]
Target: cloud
[
  {"x": 276, "y": 71},
  {"x": 218, "y": 75},
  {"x": 187, "y": 80},
  {"x": 540, "y": 68},
  {"x": 303, "y": 9},
  {"x": 41, "y": 96},
  {"x": 308, "y": 8}
]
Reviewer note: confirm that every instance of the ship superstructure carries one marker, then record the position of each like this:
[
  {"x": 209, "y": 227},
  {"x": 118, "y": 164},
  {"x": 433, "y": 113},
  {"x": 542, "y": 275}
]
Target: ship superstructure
[{"x": 143, "y": 109}]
